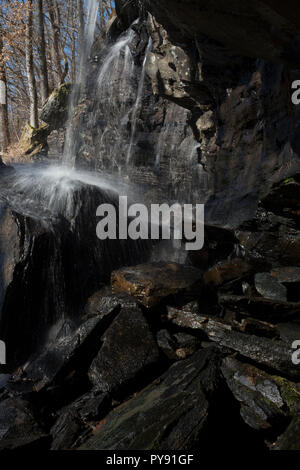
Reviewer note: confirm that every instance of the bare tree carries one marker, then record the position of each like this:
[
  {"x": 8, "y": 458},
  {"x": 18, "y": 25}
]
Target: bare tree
[
  {"x": 52, "y": 9},
  {"x": 34, "y": 122},
  {"x": 4, "y": 126},
  {"x": 42, "y": 52}
]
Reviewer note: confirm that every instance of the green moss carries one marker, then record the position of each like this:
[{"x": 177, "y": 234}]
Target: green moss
[
  {"x": 290, "y": 392},
  {"x": 34, "y": 140},
  {"x": 287, "y": 181}
]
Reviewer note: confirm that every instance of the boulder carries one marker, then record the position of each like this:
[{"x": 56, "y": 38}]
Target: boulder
[
  {"x": 152, "y": 283},
  {"x": 42, "y": 237},
  {"x": 128, "y": 353},
  {"x": 171, "y": 413},
  {"x": 55, "y": 109},
  {"x": 34, "y": 141}
]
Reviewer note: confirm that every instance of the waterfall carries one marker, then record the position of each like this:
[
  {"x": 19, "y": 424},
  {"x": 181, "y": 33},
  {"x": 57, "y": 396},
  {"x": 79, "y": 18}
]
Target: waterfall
[
  {"x": 111, "y": 62},
  {"x": 138, "y": 101},
  {"x": 80, "y": 82},
  {"x": 115, "y": 97}
]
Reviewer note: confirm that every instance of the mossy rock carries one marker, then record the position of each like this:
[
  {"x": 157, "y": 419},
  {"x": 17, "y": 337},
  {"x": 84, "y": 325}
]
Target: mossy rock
[
  {"x": 55, "y": 110},
  {"x": 34, "y": 140},
  {"x": 290, "y": 392}
]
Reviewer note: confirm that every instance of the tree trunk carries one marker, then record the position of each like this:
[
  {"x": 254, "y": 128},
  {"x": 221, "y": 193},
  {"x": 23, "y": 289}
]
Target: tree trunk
[
  {"x": 55, "y": 40},
  {"x": 42, "y": 51},
  {"x": 4, "y": 126},
  {"x": 81, "y": 24},
  {"x": 30, "y": 67}
]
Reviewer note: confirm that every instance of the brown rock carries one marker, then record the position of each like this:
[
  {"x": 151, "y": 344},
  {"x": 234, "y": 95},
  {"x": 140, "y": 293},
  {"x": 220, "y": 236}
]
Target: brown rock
[
  {"x": 151, "y": 283},
  {"x": 226, "y": 272}
]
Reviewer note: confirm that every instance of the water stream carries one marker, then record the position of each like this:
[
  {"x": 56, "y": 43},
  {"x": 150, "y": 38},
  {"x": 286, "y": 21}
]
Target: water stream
[
  {"x": 80, "y": 82},
  {"x": 138, "y": 101}
]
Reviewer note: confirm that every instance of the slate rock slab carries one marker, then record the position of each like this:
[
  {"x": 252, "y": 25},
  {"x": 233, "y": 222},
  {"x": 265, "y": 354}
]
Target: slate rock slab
[
  {"x": 129, "y": 349},
  {"x": 153, "y": 282},
  {"x": 171, "y": 413}
]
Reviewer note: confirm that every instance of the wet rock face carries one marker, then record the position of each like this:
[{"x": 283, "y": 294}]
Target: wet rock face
[
  {"x": 213, "y": 126},
  {"x": 52, "y": 261}
]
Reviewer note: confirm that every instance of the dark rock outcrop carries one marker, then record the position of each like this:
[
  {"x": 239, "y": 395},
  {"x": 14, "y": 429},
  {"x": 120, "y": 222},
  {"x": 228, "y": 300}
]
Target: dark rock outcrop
[
  {"x": 267, "y": 29},
  {"x": 174, "y": 410},
  {"x": 52, "y": 260}
]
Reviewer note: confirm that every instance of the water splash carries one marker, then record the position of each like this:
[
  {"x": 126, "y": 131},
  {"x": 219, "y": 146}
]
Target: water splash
[
  {"x": 42, "y": 191},
  {"x": 137, "y": 105},
  {"x": 80, "y": 82}
]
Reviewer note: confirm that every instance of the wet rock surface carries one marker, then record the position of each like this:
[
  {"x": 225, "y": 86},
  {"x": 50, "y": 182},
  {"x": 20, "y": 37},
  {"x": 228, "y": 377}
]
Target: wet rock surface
[
  {"x": 166, "y": 420},
  {"x": 52, "y": 258},
  {"x": 152, "y": 283},
  {"x": 128, "y": 350}
]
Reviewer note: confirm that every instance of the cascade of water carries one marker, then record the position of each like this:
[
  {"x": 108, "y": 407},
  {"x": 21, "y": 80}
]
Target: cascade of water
[
  {"x": 111, "y": 62},
  {"x": 80, "y": 82},
  {"x": 115, "y": 95},
  {"x": 138, "y": 101}
]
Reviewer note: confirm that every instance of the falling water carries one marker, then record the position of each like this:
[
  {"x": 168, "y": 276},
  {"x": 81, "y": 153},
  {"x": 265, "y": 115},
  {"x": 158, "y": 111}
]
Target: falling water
[
  {"x": 114, "y": 94},
  {"x": 138, "y": 101},
  {"x": 112, "y": 60},
  {"x": 80, "y": 82}
]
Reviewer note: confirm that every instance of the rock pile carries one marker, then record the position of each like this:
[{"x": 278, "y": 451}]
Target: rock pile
[{"x": 169, "y": 352}]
